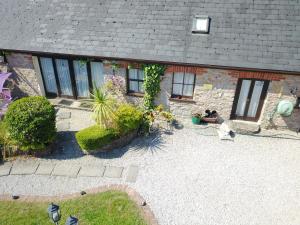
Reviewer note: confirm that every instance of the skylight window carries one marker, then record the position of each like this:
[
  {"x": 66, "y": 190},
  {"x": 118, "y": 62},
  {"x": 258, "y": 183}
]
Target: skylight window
[{"x": 201, "y": 24}]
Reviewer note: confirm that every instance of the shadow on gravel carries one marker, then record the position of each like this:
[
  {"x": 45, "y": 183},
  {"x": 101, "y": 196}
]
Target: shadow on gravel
[
  {"x": 65, "y": 147},
  {"x": 151, "y": 143}
]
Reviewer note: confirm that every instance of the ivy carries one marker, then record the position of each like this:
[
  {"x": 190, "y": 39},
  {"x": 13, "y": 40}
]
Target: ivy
[{"x": 152, "y": 73}]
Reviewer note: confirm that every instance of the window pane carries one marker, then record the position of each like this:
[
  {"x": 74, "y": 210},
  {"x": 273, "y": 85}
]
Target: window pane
[
  {"x": 141, "y": 74},
  {"x": 48, "y": 74},
  {"x": 177, "y": 89},
  {"x": 201, "y": 24},
  {"x": 141, "y": 87},
  {"x": 81, "y": 78},
  {"x": 97, "y": 73},
  {"x": 133, "y": 86},
  {"x": 63, "y": 73},
  {"x": 188, "y": 90},
  {"x": 133, "y": 74},
  {"x": 240, "y": 109},
  {"x": 178, "y": 78},
  {"x": 255, "y": 98},
  {"x": 189, "y": 78}
]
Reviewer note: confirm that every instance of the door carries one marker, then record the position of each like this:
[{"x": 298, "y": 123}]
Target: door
[
  {"x": 81, "y": 78},
  {"x": 97, "y": 74},
  {"x": 63, "y": 73},
  {"x": 47, "y": 70},
  {"x": 249, "y": 99}
]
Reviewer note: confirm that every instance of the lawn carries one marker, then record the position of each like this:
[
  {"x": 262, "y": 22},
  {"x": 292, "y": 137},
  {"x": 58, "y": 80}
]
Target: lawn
[{"x": 107, "y": 208}]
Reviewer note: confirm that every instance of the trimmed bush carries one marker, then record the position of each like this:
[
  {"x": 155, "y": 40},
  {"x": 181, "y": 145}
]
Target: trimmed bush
[
  {"x": 128, "y": 118},
  {"x": 95, "y": 137},
  {"x": 31, "y": 122}
]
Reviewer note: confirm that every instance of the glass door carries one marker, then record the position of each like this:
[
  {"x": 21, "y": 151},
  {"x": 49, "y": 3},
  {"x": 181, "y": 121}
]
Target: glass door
[
  {"x": 97, "y": 72},
  {"x": 48, "y": 76},
  {"x": 63, "y": 73},
  {"x": 249, "y": 99},
  {"x": 81, "y": 78}
]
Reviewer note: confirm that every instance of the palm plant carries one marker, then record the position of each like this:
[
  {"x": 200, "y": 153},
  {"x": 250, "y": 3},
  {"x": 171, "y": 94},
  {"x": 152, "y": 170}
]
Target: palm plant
[{"x": 104, "y": 107}]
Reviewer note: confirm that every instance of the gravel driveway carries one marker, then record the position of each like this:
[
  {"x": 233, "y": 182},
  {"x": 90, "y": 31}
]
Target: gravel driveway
[{"x": 191, "y": 179}]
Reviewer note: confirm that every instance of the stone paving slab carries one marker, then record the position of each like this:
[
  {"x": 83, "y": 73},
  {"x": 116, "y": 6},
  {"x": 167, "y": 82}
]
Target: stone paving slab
[
  {"x": 66, "y": 170},
  {"x": 45, "y": 168},
  {"x": 63, "y": 115},
  {"x": 91, "y": 171},
  {"x": 63, "y": 126},
  {"x": 132, "y": 174},
  {"x": 24, "y": 168},
  {"x": 113, "y": 172},
  {"x": 5, "y": 169}
]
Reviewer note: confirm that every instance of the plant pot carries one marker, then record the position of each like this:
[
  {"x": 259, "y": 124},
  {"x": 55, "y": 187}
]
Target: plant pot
[
  {"x": 196, "y": 120},
  {"x": 210, "y": 119}
]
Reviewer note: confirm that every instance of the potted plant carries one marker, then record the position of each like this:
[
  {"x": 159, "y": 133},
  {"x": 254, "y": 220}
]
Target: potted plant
[
  {"x": 196, "y": 118},
  {"x": 210, "y": 116}
]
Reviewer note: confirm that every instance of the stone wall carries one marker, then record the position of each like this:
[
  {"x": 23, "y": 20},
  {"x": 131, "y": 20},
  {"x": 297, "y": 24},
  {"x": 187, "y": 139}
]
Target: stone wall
[
  {"x": 24, "y": 78},
  {"x": 214, "y": 90},
  {"x": 286, "y": 89},
  {"x": 3, "y": 67},
  {"x": 120, "y": 75}
]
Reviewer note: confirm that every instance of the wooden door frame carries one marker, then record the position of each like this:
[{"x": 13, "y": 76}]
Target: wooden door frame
[
  {"x": 264, "y": 92},
  {"x": 48, "y": 94}
]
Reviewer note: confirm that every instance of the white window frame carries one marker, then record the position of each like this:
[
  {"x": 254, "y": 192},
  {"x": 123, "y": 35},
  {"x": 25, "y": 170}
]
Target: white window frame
[{"x": 194, "y": 27}]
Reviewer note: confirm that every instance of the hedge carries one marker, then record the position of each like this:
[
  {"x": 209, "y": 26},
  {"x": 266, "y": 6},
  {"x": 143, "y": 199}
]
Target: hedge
[{"x": 95, "y": 137}]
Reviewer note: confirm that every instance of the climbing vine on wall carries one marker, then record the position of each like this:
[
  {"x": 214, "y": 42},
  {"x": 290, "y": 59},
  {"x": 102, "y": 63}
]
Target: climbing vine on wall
[{"x": 152, "y": 72}]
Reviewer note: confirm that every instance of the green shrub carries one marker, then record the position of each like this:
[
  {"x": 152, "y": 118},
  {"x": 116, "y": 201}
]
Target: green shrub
[
  {"x": 104, "y": 107},
  {"x": 95, "y": 137},
  {"x": 128, "y": 118},
  {"x": 3, "y": 134},
  {"x": 31, "y": 122}
]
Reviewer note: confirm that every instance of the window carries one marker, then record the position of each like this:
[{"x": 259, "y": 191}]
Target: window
[
  {"x": 70, "y": 77},
  {"x": 135, "y": 81},
  {"x": 49, "y": 75},
  {"x": 201, "y": 24},
  {"x": 183, "y": 85}
]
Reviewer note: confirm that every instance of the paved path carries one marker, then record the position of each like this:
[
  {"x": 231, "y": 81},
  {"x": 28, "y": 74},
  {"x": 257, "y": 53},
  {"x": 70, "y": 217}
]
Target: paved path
[
  {"x": 188, "y": 177},
  {"x": 61, "y": 169}
]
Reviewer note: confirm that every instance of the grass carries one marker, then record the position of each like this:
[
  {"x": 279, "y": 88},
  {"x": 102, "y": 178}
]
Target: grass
[{"x": 107, "y": 208}]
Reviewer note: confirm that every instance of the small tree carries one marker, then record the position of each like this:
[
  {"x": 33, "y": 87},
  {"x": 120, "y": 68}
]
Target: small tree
[{"x": 104, "y": 107}]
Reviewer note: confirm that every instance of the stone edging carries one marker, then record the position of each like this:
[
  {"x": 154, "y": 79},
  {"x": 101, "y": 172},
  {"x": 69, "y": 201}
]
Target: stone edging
[{"x": 135, "y": 196}]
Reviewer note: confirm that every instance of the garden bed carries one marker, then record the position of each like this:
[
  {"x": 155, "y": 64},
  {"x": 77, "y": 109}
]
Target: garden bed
[
  {"x": 14, "y": 152},
  {"x": 117, "y": 143}
]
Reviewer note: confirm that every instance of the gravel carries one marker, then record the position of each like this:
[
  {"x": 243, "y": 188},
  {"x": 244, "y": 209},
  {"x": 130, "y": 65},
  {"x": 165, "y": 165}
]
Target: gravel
[{"x": 189, "y": 178}]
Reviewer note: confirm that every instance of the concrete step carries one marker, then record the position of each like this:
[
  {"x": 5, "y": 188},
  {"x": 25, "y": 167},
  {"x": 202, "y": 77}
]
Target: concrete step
[{"x": 244, "y": 127}]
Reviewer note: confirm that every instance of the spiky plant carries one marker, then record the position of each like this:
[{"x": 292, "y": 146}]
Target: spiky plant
[{"x": 104, "y": 107}]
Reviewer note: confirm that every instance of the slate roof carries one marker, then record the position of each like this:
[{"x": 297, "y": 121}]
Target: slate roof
[{"x": 262, "y": 34}]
